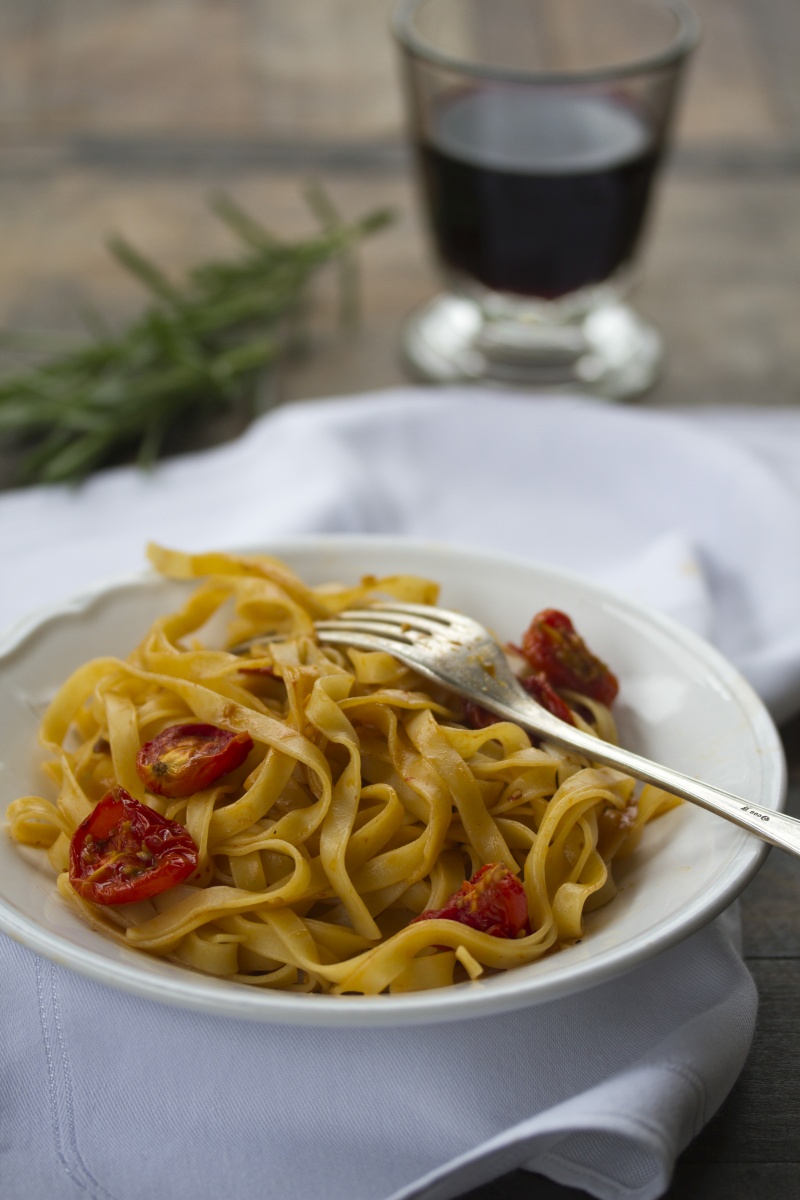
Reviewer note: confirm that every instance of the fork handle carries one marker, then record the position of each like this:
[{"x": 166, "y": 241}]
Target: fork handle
[{"x": 777, "y": 828}]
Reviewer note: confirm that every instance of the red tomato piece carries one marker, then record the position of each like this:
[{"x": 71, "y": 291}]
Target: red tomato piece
[
  {"x": 543, "y": 693},
  {"x": 552, "y": 645},
  {"x": 493, "y": 901},
  {"x": 536, "y": 685},
  {"x": 126, "y": 851},
  {"x": 184, "y": 759},
  {"x": 478, "y": 717}
]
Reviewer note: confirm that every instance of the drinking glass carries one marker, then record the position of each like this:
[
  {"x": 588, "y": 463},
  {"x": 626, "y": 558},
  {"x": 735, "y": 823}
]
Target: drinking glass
[{"x": 539, "y": 127}]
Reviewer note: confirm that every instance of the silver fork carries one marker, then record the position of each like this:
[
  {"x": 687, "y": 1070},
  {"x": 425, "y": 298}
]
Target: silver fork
[{"x": 457, "y": 652}]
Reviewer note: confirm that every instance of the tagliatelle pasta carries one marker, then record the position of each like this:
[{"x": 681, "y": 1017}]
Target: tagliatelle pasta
[{"x": 345, "y": 798}]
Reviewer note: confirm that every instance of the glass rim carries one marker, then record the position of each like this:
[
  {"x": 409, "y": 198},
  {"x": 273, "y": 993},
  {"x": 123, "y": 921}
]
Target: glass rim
[{"x": 682, "y": 43}]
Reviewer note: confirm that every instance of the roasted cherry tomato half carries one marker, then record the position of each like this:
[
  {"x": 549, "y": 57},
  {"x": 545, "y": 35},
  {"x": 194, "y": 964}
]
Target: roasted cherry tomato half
[
  {"x": 477, "y": 717},
  {"x": 537, "y": 686},
  {"x": 184, "y": 759},
  {"x": 552, "y": 646},
  {"x": 125, "y": 851},
  {"x": 493, "y": 901}
]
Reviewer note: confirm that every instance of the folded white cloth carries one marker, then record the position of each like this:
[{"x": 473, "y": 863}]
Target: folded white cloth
[
  {"x": 106, "y": 1095},
  {"x": 650, "y": 502}
]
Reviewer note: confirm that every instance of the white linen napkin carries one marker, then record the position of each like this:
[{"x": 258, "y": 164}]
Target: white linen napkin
[{"x": 106, "y": 1095}]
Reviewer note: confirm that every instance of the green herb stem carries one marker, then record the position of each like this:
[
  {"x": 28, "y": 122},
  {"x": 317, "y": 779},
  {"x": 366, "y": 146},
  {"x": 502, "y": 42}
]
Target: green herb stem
[{"x": 197, "y": 347}]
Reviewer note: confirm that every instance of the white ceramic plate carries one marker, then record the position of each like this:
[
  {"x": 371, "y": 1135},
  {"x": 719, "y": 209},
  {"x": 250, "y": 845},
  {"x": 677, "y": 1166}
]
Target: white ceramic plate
[{"x": 680, "y": 702}]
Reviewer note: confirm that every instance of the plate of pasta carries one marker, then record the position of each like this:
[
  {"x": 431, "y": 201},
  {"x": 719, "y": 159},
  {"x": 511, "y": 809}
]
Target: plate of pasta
[{"x": 208, "y": 807}]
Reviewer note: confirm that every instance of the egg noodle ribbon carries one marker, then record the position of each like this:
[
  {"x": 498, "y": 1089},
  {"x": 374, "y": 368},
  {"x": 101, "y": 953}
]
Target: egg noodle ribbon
[{"x": 365, "y": 801}]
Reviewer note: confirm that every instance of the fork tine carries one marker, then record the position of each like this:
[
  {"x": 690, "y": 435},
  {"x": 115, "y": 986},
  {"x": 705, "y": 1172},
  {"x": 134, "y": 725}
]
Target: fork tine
[
  {"x": 391, "y": 617},
  {"x": 404, "y": 652},
  {"x": 445, "y": 615},
  {"x": 395, "y": 633},
  {"x": 360, "y": 640}
]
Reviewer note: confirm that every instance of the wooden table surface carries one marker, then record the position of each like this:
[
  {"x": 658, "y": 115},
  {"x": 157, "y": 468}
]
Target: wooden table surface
[{"x": 122, "y": 115}]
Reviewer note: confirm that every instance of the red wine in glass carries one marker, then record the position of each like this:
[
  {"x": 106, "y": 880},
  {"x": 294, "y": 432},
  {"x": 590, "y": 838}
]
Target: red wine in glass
[{"x": 536, "y": 193}]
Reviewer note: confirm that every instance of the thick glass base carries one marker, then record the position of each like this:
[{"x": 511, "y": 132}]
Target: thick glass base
[{"x": 607, "y": 349}]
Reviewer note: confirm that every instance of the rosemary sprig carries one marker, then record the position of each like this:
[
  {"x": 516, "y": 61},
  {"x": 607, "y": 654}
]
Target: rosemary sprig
[{"x": 198, "y": 346}]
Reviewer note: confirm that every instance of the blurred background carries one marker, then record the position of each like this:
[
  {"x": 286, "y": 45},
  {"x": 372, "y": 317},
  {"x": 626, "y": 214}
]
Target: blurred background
[{"x": 122, "y": 115}]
